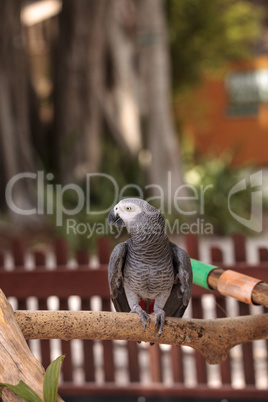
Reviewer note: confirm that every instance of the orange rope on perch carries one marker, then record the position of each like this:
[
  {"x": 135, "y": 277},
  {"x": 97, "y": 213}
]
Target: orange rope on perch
[
  {"x": 237, "y": 285},
  {"x": 259, "y": 289},
  {"x": 230, "y": 283}
]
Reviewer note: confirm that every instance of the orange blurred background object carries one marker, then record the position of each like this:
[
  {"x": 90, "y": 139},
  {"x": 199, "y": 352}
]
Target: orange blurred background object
[{"x": 216, "y": 122}]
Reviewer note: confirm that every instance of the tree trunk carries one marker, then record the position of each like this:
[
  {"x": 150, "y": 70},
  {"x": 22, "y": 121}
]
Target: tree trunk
[
  {"x": 16, "y": 360},
  {"x": 79, "y": 87},
  {"x": 156, "y": 87},
  {"x": 122, "y": 99},
  {"x": 15, "y": 139}
]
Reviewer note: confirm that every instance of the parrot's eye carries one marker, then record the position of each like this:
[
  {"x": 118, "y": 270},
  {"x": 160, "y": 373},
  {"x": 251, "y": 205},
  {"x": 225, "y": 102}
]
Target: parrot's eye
[{"x": 128, "y": 209}]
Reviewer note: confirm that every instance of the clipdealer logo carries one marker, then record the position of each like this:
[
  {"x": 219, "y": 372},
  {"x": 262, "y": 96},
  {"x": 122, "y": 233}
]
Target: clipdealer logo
[
  {"x": 255, "y": 221},
  {"x": 50, "y": 201}
]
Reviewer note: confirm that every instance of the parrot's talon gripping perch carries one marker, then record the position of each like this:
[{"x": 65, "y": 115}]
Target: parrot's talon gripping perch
[
  {"x": 147, "y": 266},
  {"x": 160, "y": 320},
  {"x": 143, "y": 315}
]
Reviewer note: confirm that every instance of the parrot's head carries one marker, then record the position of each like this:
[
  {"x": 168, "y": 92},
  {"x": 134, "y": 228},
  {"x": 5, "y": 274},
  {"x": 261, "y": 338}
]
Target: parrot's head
[{"x": 137, "y": 215}]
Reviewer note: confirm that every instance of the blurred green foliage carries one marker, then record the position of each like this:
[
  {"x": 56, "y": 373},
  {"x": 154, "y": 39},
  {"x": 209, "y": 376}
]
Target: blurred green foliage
[
  {"x": 205, "y": 34},
  {"x": 218, "y": 176}
]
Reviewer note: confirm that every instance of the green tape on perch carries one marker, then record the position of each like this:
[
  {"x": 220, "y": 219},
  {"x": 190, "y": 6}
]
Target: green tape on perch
[{"x": 201, "y": 272}]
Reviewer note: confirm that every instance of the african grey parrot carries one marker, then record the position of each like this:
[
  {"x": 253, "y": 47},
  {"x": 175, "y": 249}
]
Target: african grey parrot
[{"x": 147, "y": 266}]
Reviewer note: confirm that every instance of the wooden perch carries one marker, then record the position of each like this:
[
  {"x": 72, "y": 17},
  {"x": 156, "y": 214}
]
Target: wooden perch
[
  {"x": 16, "y": 360},
  {"x": 212, "y": 338},
  {"x": 259, "y": 293},
  {"x": 230, "y": 283}
]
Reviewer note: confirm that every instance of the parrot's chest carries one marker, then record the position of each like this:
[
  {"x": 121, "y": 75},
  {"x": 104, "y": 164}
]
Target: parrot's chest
[{"x": 148, "y": 279}]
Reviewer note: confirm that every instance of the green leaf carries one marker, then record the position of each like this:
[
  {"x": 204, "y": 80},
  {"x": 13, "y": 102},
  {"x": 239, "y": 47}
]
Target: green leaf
[
  {"x": 23, "y": 391},
  {"x": 51, "y": 380}
]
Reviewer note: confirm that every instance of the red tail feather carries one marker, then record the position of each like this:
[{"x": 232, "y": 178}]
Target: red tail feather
[{"x": 150, "y": 307}]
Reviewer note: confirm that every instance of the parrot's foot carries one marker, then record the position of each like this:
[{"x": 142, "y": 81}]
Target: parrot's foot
[
  {"x": 160, "y": 316},
  {"x": 143, "y": 315}
]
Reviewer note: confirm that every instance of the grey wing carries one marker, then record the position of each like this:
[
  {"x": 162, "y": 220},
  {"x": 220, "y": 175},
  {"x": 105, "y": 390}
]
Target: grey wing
[
  {"x": 115, "y": 277},
  {"x": 181, "y": 291}
]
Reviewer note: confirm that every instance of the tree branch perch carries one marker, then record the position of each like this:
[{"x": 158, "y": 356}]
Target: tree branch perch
[
  {"x": 16, "y": 360},
  {"x": 212, "y": 338}
]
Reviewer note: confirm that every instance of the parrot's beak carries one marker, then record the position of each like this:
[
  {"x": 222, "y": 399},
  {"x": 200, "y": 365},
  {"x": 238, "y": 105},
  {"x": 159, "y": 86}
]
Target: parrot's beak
[{"x": 114, "y": 219}]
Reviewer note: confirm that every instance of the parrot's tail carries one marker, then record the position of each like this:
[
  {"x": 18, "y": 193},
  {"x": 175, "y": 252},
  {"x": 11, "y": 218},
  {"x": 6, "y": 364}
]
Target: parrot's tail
[{"x": 147, "y": 305}]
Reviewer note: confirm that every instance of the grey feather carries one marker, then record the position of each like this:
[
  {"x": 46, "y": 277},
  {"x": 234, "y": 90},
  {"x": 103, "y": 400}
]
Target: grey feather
[
  {"x": 115, "y": 277},
  {"x": 181, "y": 290}
]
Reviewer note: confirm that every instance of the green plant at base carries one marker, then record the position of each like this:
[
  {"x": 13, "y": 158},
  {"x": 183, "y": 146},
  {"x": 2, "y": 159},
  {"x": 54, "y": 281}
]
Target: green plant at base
[{"x": 50, "y": 385}]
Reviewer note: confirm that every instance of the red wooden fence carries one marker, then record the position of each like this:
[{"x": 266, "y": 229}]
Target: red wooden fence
[{"x": 117, "y": 367}]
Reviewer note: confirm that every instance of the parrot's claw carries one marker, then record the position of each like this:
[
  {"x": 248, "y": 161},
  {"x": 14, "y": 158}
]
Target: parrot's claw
[
  {"x": 143, "y": 315},
  {"x": 160, "y": 320}
]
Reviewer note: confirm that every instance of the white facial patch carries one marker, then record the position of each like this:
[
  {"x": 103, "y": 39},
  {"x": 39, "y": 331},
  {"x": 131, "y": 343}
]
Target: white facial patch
[{"x": 116, "y": 209}]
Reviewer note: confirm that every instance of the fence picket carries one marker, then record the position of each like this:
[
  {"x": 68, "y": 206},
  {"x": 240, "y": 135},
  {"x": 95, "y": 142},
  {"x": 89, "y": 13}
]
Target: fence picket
[
  {"x": 263, "y": 254},
  {"x": 2, "y": 260},
  {"x": 248, "y": 359},
  {"x": 82, "y": 258},
  {"x": 239, "y": 244},
  {"x": 40, "y": 262},
  {"x": 108, "y": 351},
  {"x": 221, "y": 312},
  {"x": 18, "y": 253},
  {"x": 155, "y": 363},
  {"x": 192, "y": 247},
  {"x": 176, "y": 355},
  {"x": 62, "y": 256},
  {"x": 133, "y": 361}
]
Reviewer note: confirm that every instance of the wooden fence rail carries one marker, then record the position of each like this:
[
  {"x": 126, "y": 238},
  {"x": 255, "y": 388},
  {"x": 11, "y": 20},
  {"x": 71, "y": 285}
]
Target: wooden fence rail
[{"x": 94, "y": 367}]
